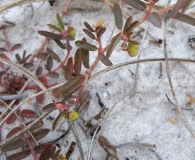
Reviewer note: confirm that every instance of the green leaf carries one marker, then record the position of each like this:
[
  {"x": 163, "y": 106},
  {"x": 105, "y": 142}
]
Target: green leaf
[
  {"x": 75, "y": 82},
  {"x": 81, "y": 96},
  {"x": 131, "y": 27},
  {"x": 128, "y": 23},
  {"x": 105, "y": 60},
  {"x": 155, "y": 19},
  {"x": 137, "y": 4},
  {"x": 78, "y": 62},
  {"x": 41, "y": 133},
  {"x": 86, "y": 46},
  {"x": 73, "y": 116},
  {"x": 133, "y": 48},
  {"x": 12, "y": 145},
  {"x": 19, "y": 155},
  {"x": 101, "y": 31},
  {"x": 60, "y": 21},
  {"x": 57, "y": 120},
  {"x": 69, "y": 69},
  {"x": 49, "y": 64},
  {"x": 36, "y": 126},
  {"x": 87, "y": 32},
  {"x": 55, "y": 27},
  {"x": 49, "y": 107},
  {"x": 85, "y": 57},
  {"x": 88, "y": 27},
  {"x": 53, "y": 54},
  {"x": 18, "y": 58},
  {"x": 60, "y": 44},
  {"x": 118, "y": 16},
  {"x": 115, "y": 40},
  {"x": 50, "y": 35},
  {"x": 13, "y": 131}
]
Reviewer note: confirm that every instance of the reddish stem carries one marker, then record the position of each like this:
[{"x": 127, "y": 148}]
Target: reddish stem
[
  {"x": 32, "y": 151},
  {"x": 65, "y": 11},
  {"x": 162, "y": 11},
  {"x": 90, "y": 70}
]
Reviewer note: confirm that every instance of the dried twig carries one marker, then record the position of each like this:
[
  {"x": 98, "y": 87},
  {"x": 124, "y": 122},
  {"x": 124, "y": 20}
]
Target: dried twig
[
  {"x": 171, "y": 83},
  {"x": 12, "y": 97},
  {"x": 137, "y": 66},
  {"x": 138, "y": 61},
  {"x": 71, "y": 124},
  {"x": 16, "y": 3}
]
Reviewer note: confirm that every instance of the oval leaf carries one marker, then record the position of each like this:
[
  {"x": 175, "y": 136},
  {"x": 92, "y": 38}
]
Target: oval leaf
[
  {"x": 28, "y": 113},
  {"x": 105, "y": 60},
  {"x": 78, "y": 62},
  {"x": 53, "y": 54},
  {"x": 11, "y": 119},
  {"x": 69, "y": 69},
  {"x": 128, "y": 23},
  {"x": 74, "y": 82},
  {"x": 86, "y": 45},
  {"x": 28, "y": 65},
  {"x": 85, "y": 57},
  {"x": 115, "y": 40},
  {"x": 49, "y": 107},
  {"x": 60, "y": 21},
  {"x": 155, "y": 19},
  {"x": 18, "y": 156},
  {"x": 50, "y": 35},
  {"x": 101, "y": 31},
  {"x": 88, "y": 27},
  {"x": 137, "y": 4},
  {"x": 16, "y": 46},
  {"x": 132, "y": 48},
  {"x": 87, "y": 32},
  {"x": 40, "y": 134},
  {"x": 54, "y": 27},
  {"x": 18, "y": 58},
  {"x": 60, "y": 44},
  {"x": 13, "y": 131},
  {"x": 15, "y": 144},
  {"x": 57, "y": 120},
  {"x": 40, "y": 98},
  {"x": 49, "y": 64},
  {"x": 39, "y": 70},
  {"x": 131, "y": 27},
  {"x": 118, "y": 16}
]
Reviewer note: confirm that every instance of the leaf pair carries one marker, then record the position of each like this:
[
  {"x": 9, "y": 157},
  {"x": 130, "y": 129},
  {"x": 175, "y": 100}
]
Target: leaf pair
[
  {"x": 72, "y": 85},
  {"x": 60, "y": 26},
  {"x": 49, "y": 63}
]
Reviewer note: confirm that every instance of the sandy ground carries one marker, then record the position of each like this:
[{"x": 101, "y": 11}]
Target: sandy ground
[{"x": 144, "y": 126}]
